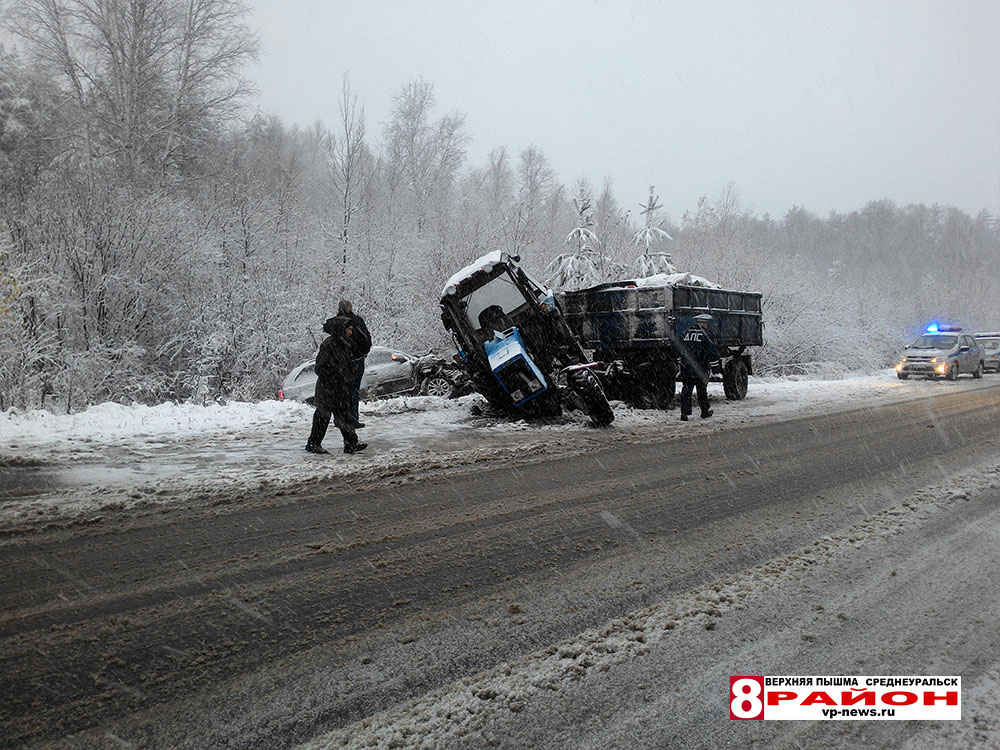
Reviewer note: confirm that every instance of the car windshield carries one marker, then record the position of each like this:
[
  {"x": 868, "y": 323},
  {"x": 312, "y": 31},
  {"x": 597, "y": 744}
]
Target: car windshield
[
  {"x": 934, "y": 342},
  {"x": 991, "y": 343},
  {"x": 489, "y": 306}
]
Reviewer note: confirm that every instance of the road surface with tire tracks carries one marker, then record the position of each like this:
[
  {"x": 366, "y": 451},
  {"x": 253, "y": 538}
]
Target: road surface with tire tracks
[{"x": 251, "y": 624}]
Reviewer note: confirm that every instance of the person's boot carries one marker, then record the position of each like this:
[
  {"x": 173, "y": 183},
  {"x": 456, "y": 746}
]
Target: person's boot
[
  {"x": 356, "y": 448},
  {"x": 318, "y": 449},
  {"x": 684, "y": 417},
  {"x": 358, "y": 425},
  {"x": 707, "y": 413}
]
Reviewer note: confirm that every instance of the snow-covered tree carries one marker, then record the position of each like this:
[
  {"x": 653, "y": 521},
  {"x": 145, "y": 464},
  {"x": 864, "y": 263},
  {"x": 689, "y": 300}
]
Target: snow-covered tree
[
  {"x": 650, "y": 262},
  {"x": 578, "y": 268},
  {"x": 352, "y": 168},
  {"x": 148, "y": 80}
]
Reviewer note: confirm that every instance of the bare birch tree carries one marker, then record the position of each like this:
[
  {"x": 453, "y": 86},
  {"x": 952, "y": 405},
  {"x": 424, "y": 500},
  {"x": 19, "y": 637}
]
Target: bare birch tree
[{"x": 148, "y": 77}]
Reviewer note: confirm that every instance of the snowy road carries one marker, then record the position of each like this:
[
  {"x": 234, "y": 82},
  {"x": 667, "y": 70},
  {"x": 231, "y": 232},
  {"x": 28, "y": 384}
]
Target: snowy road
[{"x": 503, "y": 600}]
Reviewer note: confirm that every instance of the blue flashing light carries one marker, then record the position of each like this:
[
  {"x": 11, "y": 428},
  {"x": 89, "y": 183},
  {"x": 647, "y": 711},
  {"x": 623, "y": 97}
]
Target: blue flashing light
[{"x": 932, "y": 328}]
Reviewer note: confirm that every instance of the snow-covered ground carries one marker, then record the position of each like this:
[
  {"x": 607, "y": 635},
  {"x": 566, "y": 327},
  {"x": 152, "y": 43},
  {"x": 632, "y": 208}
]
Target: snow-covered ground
[{"x": 113, "y": 457}]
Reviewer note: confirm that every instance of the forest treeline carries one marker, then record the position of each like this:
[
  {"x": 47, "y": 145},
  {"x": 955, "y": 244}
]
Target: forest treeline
[{"x": 158, "y": 240}]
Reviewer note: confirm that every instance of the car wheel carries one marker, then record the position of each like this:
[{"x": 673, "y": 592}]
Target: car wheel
[
  {"x": 979, "y": 371},
  {"x": 903, "y": 375},
  {"x": 952, "y": 372},
  {"x": 435, "y": 385}
]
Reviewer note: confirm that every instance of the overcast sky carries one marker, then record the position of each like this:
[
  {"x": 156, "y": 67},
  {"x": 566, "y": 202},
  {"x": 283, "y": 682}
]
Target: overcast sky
[{"x": 825, "y": 105}]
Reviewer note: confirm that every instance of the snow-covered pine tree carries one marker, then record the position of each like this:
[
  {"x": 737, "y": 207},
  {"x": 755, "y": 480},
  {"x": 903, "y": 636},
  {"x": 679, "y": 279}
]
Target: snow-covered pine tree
[
  {"x": 577, "y": 269},
  {"x": 650, "y": 263}
]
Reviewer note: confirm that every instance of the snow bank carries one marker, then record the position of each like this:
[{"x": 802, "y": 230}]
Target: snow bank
[
  {"x": 113, "y": 456},
  {"x": 116, "y": 423}
]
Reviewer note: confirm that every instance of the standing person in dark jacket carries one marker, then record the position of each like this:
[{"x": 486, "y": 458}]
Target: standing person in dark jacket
[
  {"x": 698, "y": 359},
  {"x": 335, "y": 375},
  {"x": 361, "y": 344}
]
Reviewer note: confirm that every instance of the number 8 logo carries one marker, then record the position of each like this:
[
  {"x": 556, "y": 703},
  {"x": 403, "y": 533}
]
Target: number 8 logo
[{"x": 747, "y": 697}]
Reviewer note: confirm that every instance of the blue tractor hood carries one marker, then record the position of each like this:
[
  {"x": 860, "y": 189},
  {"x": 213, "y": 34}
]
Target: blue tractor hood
[{"x": 513, "y": 368}]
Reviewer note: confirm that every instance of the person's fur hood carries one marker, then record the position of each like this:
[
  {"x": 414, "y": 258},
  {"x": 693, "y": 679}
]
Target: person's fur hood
[{"x": 336, "y": 326}]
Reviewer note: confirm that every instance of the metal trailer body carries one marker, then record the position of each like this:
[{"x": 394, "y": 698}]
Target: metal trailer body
[{"x": 640, "y": 326}]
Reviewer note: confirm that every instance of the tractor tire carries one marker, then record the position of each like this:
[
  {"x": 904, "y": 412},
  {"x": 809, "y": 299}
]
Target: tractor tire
[
  {"x": 735, "y": 380},
  {"x": 586, "y": 385}
]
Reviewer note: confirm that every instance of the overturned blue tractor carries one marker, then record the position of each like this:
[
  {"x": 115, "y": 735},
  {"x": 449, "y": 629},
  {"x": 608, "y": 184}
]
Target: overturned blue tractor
[{"x": 514, "y": 344}]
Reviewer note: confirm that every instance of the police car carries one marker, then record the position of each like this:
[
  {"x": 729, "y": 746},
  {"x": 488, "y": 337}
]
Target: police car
[{"x": 942, "y": 352}]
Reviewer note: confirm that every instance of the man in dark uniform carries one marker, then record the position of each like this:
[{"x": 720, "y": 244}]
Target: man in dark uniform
[
  {"x": 361, "y": 344},
  {"x": 335, "y": 375},
  {"x": 698, "y": 359}
]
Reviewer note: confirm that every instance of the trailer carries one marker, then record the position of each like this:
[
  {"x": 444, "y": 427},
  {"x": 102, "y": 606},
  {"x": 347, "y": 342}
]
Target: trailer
[{"x": 634, "y": 327}]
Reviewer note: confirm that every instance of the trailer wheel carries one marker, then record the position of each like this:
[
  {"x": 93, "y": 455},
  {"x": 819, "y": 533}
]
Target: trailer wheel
[
  {"x": 668, "y": 389},
  {"x": 735, "y": 379},
  {"x": 589, "y": 389},
  {"x": 652, "y": 388}
]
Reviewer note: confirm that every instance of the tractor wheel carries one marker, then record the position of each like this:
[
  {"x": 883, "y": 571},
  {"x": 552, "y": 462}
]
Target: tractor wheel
[{"x": 586, "y": 385}]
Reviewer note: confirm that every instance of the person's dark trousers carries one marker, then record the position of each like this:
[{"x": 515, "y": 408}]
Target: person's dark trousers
[
  {"x": 359, "y": 372},
  {"x": 345, "y": 423},
  {"x": 686, "y": 389},
  {"x": 321, "y": 422}
]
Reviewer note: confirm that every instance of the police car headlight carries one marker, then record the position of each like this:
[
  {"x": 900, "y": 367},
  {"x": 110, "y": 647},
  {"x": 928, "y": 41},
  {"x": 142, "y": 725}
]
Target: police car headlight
[
  {"x": 939, "y": 368},
  {"x": 933, "y": 360}
]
